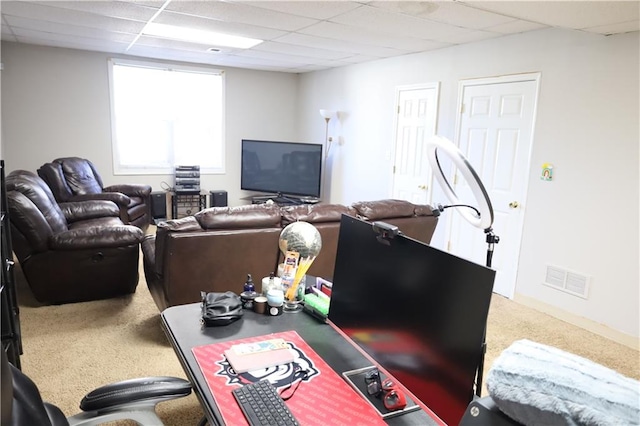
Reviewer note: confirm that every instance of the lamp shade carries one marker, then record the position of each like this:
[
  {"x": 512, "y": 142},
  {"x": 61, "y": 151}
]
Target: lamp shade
[{"x": 327, "y": 114}]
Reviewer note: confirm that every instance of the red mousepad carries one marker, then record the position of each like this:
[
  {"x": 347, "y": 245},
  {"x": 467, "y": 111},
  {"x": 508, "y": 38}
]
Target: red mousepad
[{"x": 322, "y": 398}]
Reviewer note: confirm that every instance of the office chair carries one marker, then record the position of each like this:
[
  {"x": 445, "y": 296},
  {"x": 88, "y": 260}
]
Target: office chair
[{"x": 133, "y": 399}]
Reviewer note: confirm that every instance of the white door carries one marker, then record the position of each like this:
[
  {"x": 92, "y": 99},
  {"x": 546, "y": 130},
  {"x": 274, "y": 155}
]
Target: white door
[
  {"x": 417, "y": 112},
  {"x": 495, "y": 133}
]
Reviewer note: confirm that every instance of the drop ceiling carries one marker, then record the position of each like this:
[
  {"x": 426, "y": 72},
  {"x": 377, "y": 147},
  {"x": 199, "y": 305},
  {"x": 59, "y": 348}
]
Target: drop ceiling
[{"x": 300, "y": 36}]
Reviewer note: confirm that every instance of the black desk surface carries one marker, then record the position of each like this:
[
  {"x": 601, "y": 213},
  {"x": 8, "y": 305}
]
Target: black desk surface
[{"x": 184, "y": 330}]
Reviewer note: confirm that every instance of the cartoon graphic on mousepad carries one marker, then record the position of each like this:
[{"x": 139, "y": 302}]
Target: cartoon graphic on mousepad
[{"x": 322, "y": 397}]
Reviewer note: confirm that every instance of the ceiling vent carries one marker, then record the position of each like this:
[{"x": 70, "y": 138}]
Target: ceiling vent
[{"x": 567, "y": 281}]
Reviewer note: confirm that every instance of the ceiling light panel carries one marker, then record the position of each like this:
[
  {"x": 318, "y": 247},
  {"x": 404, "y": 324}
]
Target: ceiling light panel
[
  {"x": 199, "y": 36},
  {"x": 178, "y": 45},
  {"x": 230, "y": 27}
]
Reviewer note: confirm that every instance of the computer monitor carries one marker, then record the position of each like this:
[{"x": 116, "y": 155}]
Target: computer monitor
[{"x": 418, "y": 311}]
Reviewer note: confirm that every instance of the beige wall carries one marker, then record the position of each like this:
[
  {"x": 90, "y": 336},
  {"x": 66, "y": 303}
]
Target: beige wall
[
  {"x": 586, "y": 220},
  {"x": 55, "y": 103}
]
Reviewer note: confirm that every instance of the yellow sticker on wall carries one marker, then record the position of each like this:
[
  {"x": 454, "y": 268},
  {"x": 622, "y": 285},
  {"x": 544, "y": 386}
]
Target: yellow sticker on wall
[{"x": 547, "y": 171}]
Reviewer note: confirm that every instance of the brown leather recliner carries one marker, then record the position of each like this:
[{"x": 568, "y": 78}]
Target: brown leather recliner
[
  {"x": 70, "y": 252},
  {"x": 76, "y": 179}
]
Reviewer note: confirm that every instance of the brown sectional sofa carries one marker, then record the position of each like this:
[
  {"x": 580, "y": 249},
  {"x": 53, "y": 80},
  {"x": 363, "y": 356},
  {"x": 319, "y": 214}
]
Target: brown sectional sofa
[{"x": 215, "y": 249}]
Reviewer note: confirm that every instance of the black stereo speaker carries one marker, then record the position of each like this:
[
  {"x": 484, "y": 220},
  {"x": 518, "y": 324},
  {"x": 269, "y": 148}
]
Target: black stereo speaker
[
  {"x": 159, "y": 204},
  {"x": 218, "y": 199}
]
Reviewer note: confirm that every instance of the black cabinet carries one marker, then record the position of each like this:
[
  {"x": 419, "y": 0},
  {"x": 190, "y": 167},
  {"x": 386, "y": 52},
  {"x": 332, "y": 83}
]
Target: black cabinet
[
  {"x": 187, "y": 204},
  {"x": 10, "y": 325}
]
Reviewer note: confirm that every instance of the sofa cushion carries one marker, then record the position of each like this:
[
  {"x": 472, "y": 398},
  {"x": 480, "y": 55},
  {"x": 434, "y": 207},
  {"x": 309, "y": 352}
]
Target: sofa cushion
[
  {"x": 240, "y": 217},
  {"x": 315, "y": 213},
  {"x": 382, "y": 209}
]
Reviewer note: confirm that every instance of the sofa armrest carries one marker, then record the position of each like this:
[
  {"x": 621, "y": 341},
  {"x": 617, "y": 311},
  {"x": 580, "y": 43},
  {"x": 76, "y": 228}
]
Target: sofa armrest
[
  {"x": 82, "y": 210},
  {"x": 383, "y": 209},
  {"x": 130, "y": 189},
  {"x": 96, "y": 237}
]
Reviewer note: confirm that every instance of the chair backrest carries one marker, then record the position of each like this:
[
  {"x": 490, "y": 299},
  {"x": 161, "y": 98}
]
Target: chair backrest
[
  {"x": 21, "y": 401},
  {"x": 35, "y": 214},
  {"x": 71, "y": 176}
]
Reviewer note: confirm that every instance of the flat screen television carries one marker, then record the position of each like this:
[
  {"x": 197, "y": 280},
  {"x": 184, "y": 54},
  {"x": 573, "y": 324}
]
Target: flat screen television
[
  {"x": 419, "y": 312},
  {"x": 281, "y": 168}
]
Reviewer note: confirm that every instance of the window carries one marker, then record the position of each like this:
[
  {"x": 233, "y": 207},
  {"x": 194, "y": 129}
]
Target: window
[{"x": 163, "y": 116}]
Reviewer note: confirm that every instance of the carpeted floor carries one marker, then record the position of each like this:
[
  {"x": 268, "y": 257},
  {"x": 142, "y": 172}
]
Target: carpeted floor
[{"x": 71, "y": 349}]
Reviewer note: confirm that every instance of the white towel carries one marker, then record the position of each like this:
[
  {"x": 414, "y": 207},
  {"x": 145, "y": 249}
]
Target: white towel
[{"x": 537, "y": 384}]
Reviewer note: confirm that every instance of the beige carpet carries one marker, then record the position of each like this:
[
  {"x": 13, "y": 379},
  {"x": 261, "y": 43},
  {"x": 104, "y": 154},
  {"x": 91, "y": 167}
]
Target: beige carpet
[{"x": 71, "y": 349}]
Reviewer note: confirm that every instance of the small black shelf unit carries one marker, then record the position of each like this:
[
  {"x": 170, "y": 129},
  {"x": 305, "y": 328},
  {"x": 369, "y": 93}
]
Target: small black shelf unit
[{"x": 10, "y": 320}]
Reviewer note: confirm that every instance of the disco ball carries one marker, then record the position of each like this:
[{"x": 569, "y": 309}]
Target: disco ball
[{"x": 301, "y": 237}]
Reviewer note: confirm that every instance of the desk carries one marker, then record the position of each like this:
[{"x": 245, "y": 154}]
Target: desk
[{"x": 182, "y": 327}]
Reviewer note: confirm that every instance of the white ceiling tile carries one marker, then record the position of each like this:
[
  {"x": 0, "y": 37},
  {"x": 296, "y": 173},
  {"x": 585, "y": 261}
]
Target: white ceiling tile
[
  {"x": 242, "y": 13},
  {"x": 292, "y": 49},
  {"x": 339, "y": 45},
  {"x": 472, "y": 36},
  {"x": 385, "y": 21},
  {"x": 622, "y": 27},
  {"x": 113, "y": 9},
  {"x": 365, "y": 36},
  {"x": 568, "y": 14},
  {"x": 516, "y": 26},
  {"x": 71, "y": 30},
  {"x": 63, "y": 16},
  {"x": 57, "y": 40},
  {"x": 311, "y": 9},
  {"x": 448, "y": 12}
]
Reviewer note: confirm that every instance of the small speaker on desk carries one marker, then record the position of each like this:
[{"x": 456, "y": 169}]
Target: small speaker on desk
[
  {"x": 158, "y": 204},
  {"x": 218, "y": 199}
]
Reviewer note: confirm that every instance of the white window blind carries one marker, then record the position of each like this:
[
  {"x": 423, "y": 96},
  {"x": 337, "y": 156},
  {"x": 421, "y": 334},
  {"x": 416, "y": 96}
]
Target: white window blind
[{"x": 164, "y": 116}]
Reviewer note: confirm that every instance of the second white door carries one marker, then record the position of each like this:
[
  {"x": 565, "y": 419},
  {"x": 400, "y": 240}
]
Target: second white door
[{"x": 495, "y": 133}]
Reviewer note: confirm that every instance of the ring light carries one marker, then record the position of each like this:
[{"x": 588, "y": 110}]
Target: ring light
[{"x": 439, "y": 145}]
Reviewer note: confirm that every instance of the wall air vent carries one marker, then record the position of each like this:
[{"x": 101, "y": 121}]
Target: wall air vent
[{"x": 567, "y": 281}]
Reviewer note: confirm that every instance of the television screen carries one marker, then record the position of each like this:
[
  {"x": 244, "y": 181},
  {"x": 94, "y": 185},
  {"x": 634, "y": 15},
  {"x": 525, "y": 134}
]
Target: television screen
[
  {"x": 418, "y": 311},
  {"x": 282, "y": 168}
]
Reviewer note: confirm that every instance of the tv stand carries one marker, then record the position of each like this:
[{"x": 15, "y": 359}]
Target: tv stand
[{"x": 284, "y": 200}]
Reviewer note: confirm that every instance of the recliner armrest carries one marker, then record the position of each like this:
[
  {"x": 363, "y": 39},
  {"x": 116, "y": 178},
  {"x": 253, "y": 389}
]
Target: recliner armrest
[
  {"x": 117, "y": 197},
  {"x": 96, "y": 237},
  {"x": 82, "y": 210},
  {"x": 130, "y": 189}
]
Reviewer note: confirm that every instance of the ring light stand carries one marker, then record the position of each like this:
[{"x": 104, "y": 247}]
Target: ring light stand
[{"x": 482, "y": 217}]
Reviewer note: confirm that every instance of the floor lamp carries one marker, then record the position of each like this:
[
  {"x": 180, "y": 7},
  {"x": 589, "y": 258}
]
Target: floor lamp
[{"x": 480, "y": 217}]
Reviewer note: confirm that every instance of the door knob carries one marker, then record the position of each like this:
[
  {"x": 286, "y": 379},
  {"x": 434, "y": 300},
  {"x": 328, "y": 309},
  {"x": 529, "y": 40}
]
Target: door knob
[
  {"x": 514, "y": 204},
  {"x": 425, "y": 187}
]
